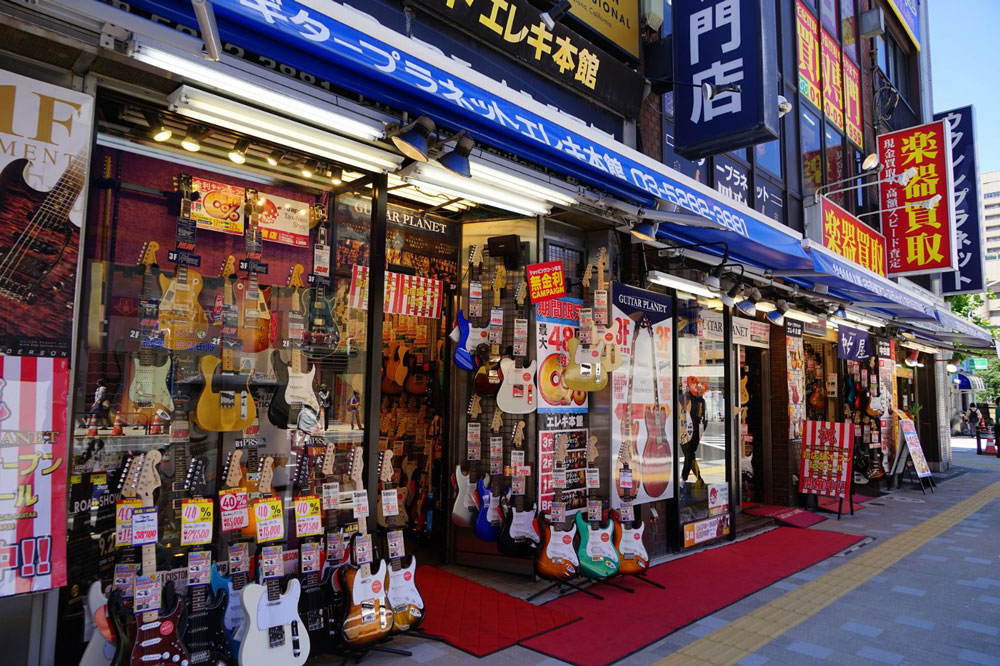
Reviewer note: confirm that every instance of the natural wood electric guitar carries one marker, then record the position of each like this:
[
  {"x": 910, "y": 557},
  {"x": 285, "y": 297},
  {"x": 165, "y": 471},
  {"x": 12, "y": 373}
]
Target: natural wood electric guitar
[
  {"x": 254, "y": 315},
  {"x": 182, "y": 319}
]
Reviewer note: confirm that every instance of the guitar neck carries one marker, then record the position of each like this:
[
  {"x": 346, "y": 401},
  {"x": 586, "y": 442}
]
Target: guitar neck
[
  {"x": 273, "y": 589},
  {"x": 149, "y": 568}
]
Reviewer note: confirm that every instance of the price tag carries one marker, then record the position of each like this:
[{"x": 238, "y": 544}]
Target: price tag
[
  {"x": 557, "y": 512},
  {"x": 496, "y": 325},
  {"x": 239, "y": 558},
  {"x": 196, "y": 522},
  {"x": 310, "y": 557},
  {"x": 360, "y": 501},
  {"x": 586, "y": 326},
  {"x": 146, "y": 593},
  {"x": 594, "y": 510},
  {"x": 593, "y": 477},
  {"x": 335, "y": 546},
  {"x": 522, "y": 470},
  {"x": 272, "y": 562},
  {"x": 516, "y": 458},
  {"x": 307, "y": 516},
  {"x": 559, "y": 478},
  {"x": 145, "y": 527},
  {"x": 475, "y": 298},
  {"x": 363, "y": 549},
  {"x": 601, "y": 307},
  {"x": 124, "y": 579},
  {"x": 123, "y": 521},
  {"x": 625, "y": 479},
  {"x": 390, "y": 502},
  {"x": 233, "y": 509},
  {"x": 396, "y": 547},
  {"x": 517, "y": 484},
  {"x": 474, "y": 438},
  {"x": 331, "y": 495},
  {"x": 626, "y": 513},
  {"x": 199, "y": 569},
  {"x": 520, "y": 337},
  {"x": 321, "y": 260},
  {"x": 496, "y": 455},
  {"x": 270, "y": 520}
]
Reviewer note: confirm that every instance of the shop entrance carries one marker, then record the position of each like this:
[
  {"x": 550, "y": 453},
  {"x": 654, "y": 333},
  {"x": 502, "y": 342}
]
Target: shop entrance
[{"x": 751, "y": 416}]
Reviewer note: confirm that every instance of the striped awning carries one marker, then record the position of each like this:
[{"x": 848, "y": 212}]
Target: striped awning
[{"x": 970, "y": 382}]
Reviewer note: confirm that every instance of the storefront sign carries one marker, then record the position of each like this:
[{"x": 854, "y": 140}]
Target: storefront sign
[
  {"x": 33, "y": 434},
  {"x": 827, "y": 458},
  {"x": 851, "y": 238},
  {"x": 796, "y": 362},
  {"x": 284, "y": 221},
  {"x": 833, "y": 81},
  {"x": 908, "y": 13},
  {"x": 556, "y": 323},
  {"x": 546, "y": 281},
  {"x": 816, "y": 329},
  {"x": 919, "y": 222},
  {"x": 970, "y": 276},
  {"x": 617, "y": 21},
  {"x": 644, "y": 380},
  {"x": 516, "y": 29},
  {"x": 701, "y": 531},
  {"x": 732, "y": 179},
  {"x": 574, "y": 468},
  {"x": 807, "y": 28},
  {"x": 853, "y": 344},
  {"x": 404, "y": 294},
  {"x": 48, "y": 128},
  {"x": 219, "y": 206},
  {"x": 724, "y": 42},
  {"x": 793, "y": 328},
  {"x": 852, "y": 102},
  {"x": 747, "y": 332},
  {"x": 908, "y": 431}
]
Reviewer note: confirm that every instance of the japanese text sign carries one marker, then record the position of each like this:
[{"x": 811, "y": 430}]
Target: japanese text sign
[
  {"x": 970, "y": 276},
  {"x": 919, "y": 219},
  {"x": 827, "y": 458},
  {"x": 833, "y": 81},
  {"x": 908, "y": 13},
  {"x": 809, "y": 63},
  {"x": 219, "y": 206},
  {"x": 852, "y": 103},
  {"x": 724, "y": 43},
  {"x": 516, "y": 29},
  {"x": 557, "y": 322},
  {"x": 546, "y": 281},
  {"x": 853, "y": 344},
  {"x": 851, "y": 238},
  {"x": 908, "y": 431},
  {"x": 404, "y": 294}
]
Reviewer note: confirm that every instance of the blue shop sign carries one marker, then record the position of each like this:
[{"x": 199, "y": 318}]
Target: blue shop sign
[
  {"x": 853, "y": 344},
  {"x": 908, "y": 13},
  {"x": 725, "y": 42}
]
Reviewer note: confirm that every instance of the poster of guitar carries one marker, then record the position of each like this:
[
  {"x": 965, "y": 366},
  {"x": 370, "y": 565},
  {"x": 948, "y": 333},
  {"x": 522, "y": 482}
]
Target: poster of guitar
[
  {"x": 641, "y": 392},
  {"x": 45, "y": 134}
]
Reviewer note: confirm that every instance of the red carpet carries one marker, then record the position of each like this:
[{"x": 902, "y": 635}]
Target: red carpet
[
  {"x": 787, "y": 515},
  {"x": 697, "y": 586},
  {"x": 479, "y": 619},
  {"x": 831, "y": 503}
]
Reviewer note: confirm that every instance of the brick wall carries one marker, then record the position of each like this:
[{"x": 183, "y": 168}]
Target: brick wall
[{"x": 780, "y": 476}]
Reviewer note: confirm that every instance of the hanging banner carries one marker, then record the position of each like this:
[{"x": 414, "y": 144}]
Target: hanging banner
[
  {"x": 34, "y": 448},
  {"x": 908, "y": 432},
  {"x": 556, "y": 323},
  {"x": 545, "y": 281},
  {"x": 574, "y": 495},
  {"x": 851, "y": 238},
  {"x": 795, "y": 359},
  {"x": 219, "y": 206},
  {"x": 724, "y": 43},
  {"x": 284, "y": 221},
  {"x": 833, "y": 81},
  {"x": 970, "y": 278},
  {"x": 827, "y": 459},
  {"x": 852, "y": 103},
  {"x": 807, "y": 28},
  {"x": 45, "y": 136},
  {"x": 853, "y": 344},
  {"x": 746, "y": 332},
  {"x": 404, "y": 294},
  {"x": 919, "y": 222},
  {"x": 641, "y": 393}
]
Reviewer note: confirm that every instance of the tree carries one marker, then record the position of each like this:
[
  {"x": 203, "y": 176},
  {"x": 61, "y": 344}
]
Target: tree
[
  {"x": 968, "y": 306},
  {"x": 990, "y": 377}
]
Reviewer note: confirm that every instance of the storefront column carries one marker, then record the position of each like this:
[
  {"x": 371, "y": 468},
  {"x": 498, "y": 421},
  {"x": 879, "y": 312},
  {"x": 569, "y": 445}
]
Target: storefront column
[{"x": 732, "y": 468}]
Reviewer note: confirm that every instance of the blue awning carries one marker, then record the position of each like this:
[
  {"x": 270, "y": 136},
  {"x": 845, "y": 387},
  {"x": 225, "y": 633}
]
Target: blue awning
[
  {"x": 970, "y": 382},
  {"x": 963, "y": 331}
]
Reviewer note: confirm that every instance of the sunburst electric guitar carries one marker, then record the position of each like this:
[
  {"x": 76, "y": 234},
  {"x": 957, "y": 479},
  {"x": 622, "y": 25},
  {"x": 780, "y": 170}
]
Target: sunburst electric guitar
[
  {"x": 557, "y": 558},
  {"x": 181, "y": 317}
]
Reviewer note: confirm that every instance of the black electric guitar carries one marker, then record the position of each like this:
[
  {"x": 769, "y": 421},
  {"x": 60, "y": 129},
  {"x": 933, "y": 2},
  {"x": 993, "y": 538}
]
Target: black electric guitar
[
  {"x": 313, "y": 602},
  {"x": 321, "y": 335}
]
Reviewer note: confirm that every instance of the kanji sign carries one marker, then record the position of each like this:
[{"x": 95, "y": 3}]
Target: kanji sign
[
  {"x": 724, "y": 43},
  {"x": 219, "y": 206},
  {"x": 853, "y": 344},
  {"x": 833, "y": 82},
  {"x": 908, "y": 432},
  {"x": 809, "y": 63},
  {"x": 852, "y": 102},
  {"x": 404, "y": 294},
  {"x": 826, "y": 458},
  {"x": 971, "y": 273},
  {"x": 851, "y": 238},
  {"x": 919, "y": 217},
  {"x": 546, "y": 281}
]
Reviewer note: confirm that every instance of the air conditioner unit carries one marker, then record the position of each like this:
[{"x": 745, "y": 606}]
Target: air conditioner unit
[{"x": 872, "y": 23}]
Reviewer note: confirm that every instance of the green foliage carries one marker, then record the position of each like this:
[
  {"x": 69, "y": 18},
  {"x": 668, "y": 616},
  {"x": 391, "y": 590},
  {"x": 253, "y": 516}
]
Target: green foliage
[
  {"x": 990, "y": 377},
  {"x": 968, "y": 306}
]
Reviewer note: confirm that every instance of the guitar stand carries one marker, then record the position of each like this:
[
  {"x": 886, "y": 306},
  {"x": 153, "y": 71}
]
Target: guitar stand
[
  {"x": 645, "y": 579},
  {"x": 609, "y": 581},
  {"x": 559, "y": 584},
  {"x": 358, "y": 655}
]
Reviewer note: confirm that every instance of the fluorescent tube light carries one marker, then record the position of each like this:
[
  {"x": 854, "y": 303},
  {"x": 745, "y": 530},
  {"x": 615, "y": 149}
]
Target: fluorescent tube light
[
  {"x": 802, "y": 316},
  {"x": 680, "y": 284},
  {"x": 517, "y": 183},
  {"x": 435, "y": 179}
]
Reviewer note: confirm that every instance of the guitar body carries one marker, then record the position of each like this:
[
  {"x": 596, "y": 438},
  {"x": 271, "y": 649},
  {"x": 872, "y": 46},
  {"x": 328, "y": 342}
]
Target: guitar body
[
  {"x": 489, "y": 519},
  {"x": 519, "y": 535},
  {"x": 182, "y": 320},
  {"x": 416, "y": 381},
  {"x": 232, "y": 617},
  {"x": 204, "y": 633},
  {"x": 516, "y": 394},
  {"x": 656, "y": 461},
  {"x": 322, "y": 335},
  {"x": 685, "y": 425},
  {"x": 851, "y": 390},
  {"x": 556, "y": 559},
  {"x": 123, "y": 621},
  {"x": 817, "y": 399},
  {"x": 157, "y": 643},
  {"x": 37, "y": 295},
  {"x": 278, "y": 411},
  {"x": 368, "y": 617},
  {"x": 209, "y": 414},
  {"x": 466, "y": 500},
  {"x": 596, "y": 551},
  {"x": 469, "y": 337},
  {"x": 633, "y": 557},
  {"x": 314, "y": 607},
  {"x": 404, "y": 599},
  {"x": 256, "y": 648},
  {"x": 488, "y": 379},
  {"x": 101, "y": 647},
  {"x": 585, "y": 372},
  {"x": 402, "y": 494},
  {"x": 255, "y": 319},
  {"x": 148, "y": 392},
  {"x": 299, "y": 390}
]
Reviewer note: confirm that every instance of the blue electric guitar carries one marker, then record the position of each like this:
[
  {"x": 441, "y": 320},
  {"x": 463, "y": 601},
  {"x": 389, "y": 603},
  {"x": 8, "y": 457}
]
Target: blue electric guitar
[
  {"x": 466, "y": 336},
  {"x": 489, "y": 520}
]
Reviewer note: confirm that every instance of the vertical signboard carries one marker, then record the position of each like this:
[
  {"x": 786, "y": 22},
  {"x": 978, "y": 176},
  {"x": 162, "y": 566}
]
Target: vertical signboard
[
  {"x": 908, "y": 13},
  {"x": 556, "y": 323},
  {"x": 971, "y": 273},
  {"x": 833, "y": 81},
  {"x": 852, "y": 103},
  {"x": 919, "y": 218},
  {"x": 724, "y": 43},
  {"x": 807, "y": 28},
  {"x": 827, "y": 460}
]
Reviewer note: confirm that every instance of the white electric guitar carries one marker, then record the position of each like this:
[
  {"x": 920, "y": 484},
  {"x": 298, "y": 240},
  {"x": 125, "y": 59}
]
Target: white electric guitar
[
  {"x": 517, "y": 391},
  {"x": 299, "y": 390}
]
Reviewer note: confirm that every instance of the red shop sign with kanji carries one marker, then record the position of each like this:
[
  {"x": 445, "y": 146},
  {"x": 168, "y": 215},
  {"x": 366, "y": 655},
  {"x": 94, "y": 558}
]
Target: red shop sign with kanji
[
  {"x": 919, "y": 216},
  {"x": 851, "y": 238},
  {"x": 827, "y": 454},
  {"x": 546, "y": 281}
]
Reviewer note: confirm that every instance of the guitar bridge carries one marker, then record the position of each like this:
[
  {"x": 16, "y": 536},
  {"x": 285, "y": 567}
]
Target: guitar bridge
[{"x": 276, "y": 636}]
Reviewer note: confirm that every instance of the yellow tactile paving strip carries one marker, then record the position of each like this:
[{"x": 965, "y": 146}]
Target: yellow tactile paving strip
[{"x": 753, "y": 631}]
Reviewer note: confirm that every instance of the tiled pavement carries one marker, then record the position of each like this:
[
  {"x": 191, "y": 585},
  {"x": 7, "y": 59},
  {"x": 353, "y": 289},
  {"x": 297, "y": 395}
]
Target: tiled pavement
[{"x": 939, "y": 604}]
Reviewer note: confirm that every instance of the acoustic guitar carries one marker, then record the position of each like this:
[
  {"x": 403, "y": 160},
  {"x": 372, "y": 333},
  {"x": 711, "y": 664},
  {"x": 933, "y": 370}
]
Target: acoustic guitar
[
  {"x": 557, "y": 558},
  {"x": 254, "y": 315},
  {"x": 182, "y": 320}
]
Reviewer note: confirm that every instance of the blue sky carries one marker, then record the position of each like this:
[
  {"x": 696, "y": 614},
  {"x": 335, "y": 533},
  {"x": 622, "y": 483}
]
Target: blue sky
[{"x": 965, "y": 60}]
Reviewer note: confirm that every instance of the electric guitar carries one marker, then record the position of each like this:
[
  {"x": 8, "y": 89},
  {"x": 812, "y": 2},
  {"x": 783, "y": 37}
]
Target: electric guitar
[
  {"x": 404, "y": 598},
  {"x": 466, "y": 336},
  {"x": 314, "y": 602},
  {"x": 633, "y": 557},
  {"x": 295, "y": 382},
  {"x": 123, "y": 620},
  {"x": 333, "y": 592},
  {"x": 402, "y": 492},
  {"x": 516, "y": 394},
  {"x": 487, "y": 380},
  {"x": 422, "y": 507},
  {"x": 519, "y": 535},
  {"x": 368, "y": 616},
  {"x": 611, "y": 357},
  {"x": 181, "y": 317},
  {"x": 489, "y": 519},
  {"x": 467, "y": 499},
  {"x": 254, "y": 315},
  {"x": 584, "y": 370},
  {"x": 596, "y": 551},
  {"x": 322, "y": 335},
  {"x": 656, "y": 460},
  {"x": 101, "y": 647},
  {"x": 557, "y": 559},
  {"x": 817, "y": 398},
  {"x": 231, "y": 585},
  {"x": 225, "y": 403}
]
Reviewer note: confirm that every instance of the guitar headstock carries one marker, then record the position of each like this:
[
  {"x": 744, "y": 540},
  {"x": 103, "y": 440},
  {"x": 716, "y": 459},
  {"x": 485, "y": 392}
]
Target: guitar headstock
[
  {"x": 401, "y": 428},
  {"x": 228, "y": 270},
  {"x": 147, "y": 257},
  {"x": 602, "y": 265},
  {"x": 317, "y": 214},
  {"x": 520, "y": 292},
  {"x": 591, "y": 449},
  {"x": 329, "y": 458},
  {"x": 475, "y": 256},
  {"x": 518, "y": 436},
  {"x": 499, "y": 282},
  {"x": 301, "y": 476},
  {"x": 295, "y": 276},
  {"x": 475, "y": 406},
  {"x": 266, "y": 476},
  {"x": 357, "y": 467},
  {"x": 149, "y": 476},
  {"x": 184, "y": 186},
  {"x": 233, "y": 473},
  {"x": 586, "y": 275},
  {"x": 129, "y": 479},
  {"x": 561, "y": 441},
  {"x": 497, "y": 422},
  {"x": 385, "y": 470}
]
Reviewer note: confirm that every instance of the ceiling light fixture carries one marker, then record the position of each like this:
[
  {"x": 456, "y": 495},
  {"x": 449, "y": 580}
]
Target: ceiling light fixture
[
  {"x": 239, "y": 152},
  {"x": 336, "y": 175},
  {"x": 157, "y": 130},
  {"x": 777, "y": 316},
  {"x": 680, "y": 284},
  {"x": 413, "y": 140},
  {"x": 645, "y": 231},
  {"x": 729, "y": 298},
  {"x": 274, "y": 159},
  {"x": 192, "y": 139},
  {"x": 437, "y": 180},
  {"x": 308, "y": 168},
  {"x": 456, "y": 160}
]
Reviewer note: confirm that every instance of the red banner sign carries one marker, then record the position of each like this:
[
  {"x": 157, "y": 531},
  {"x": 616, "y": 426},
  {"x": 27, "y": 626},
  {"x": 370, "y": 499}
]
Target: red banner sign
[
  {"x": 919, "y": 219},
  {"x": 833, "y": 82},
  {"x": 808, "y": 32},
  {"x": 852, "y": 102},
  {"x": 545, "y": 281},
  {"x": 404, "y": 294},
  {"x": 826, "y": 458},
  {"x": 851, "y": 238}
]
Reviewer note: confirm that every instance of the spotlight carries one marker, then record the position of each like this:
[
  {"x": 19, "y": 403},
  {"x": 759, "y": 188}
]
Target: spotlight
[
  {"x": 336, "y": 175},
  {"x": 777, "y": 316},
  {"x": 457, "y": 159},
  {"x": 412, "y": 139},
  {"x": 239, "y": 152},
  {"x": 274, "y": 159},
  {"x": 157, "y": 130},
  {"x": 558, "y": 10},
  {"x": 309, "y": 167},
  {"x": 729, "y": 298},
  {"x": 747, "y": 307},
  {"x": 645, "y": 231},
  {"x": 192, "y": 140},
  {"x": 871, "y": 162},
  {"x": 784, "y": 106}
]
